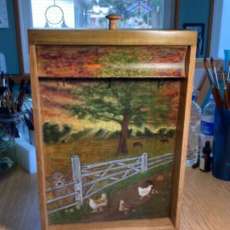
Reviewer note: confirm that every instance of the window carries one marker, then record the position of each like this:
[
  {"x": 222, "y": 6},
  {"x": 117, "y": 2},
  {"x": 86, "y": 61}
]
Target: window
[
  {"x": 136, "y": 14},
  {"x": 53, "y": 14},
  {"x": 87, "y": 14},
  {"x": 145, "y": 14}
]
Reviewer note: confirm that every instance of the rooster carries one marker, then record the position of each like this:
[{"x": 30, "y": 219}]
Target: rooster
[{"x": 97, "y": 205}]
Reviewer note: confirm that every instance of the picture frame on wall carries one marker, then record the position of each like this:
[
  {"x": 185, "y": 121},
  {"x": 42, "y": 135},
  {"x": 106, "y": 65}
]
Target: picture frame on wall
[{"x": 200, "y": 29}]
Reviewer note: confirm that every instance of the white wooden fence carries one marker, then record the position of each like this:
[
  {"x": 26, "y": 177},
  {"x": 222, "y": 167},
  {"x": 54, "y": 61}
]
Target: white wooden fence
[{"x": 90, "y": 179}]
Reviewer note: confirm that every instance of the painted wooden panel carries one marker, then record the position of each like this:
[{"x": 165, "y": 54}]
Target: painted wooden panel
[
  {"x": 111, "y": 61},
  {"x": 108, "y": 148},
  {"x": 111, "y": 111}
]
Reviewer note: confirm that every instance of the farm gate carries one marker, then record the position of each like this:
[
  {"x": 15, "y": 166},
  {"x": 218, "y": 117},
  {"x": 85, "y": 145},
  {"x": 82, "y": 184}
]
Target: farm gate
[{"x": 90, "y": 179}]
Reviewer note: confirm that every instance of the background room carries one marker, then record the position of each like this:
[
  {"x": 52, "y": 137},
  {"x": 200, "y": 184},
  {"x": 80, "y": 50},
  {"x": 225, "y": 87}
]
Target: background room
[{"x": 206, "y": 190}]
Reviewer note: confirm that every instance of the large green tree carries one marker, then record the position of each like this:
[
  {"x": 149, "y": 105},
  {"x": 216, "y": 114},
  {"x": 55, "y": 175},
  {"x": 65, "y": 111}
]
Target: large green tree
[{"x": 124, "y": 102}]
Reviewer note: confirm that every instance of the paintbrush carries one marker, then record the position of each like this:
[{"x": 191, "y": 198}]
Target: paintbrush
[
  {"x": 228, "y": 84},
  {"x": 213, "y": 83},
  {"x": 215, "y": 75},
  {"x": 209, "y": 74},
  {"x": 228, "y": 75},
  {"x": 21, "y": 96},
  {"x": 3, "y": 87},
  {"x": 28, "y": 117},
  {"x": 216, "y": 89},
  {"x": 226, "y": 97}
]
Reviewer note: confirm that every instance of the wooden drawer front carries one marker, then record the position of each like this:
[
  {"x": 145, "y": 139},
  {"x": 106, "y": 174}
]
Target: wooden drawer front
[{"x": 111, "y": 61}]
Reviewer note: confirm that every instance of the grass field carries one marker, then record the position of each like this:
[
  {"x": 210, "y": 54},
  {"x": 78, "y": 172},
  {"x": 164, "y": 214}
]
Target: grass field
[
  {"x": 154, "y": 207},
  {"x": 96, "y": 150}
]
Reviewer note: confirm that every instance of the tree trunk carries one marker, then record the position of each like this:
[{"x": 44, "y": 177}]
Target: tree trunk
[{"x": 122, "y": 145}]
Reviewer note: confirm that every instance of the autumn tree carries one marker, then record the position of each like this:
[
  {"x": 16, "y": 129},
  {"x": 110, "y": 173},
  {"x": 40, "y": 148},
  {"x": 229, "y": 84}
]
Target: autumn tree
[{"x": 124, "y": 102}]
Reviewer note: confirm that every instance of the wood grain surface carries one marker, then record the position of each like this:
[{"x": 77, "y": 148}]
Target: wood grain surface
[
  {"x": 206, "y": 202},
  {"x": 111, "y": 37},
  {"x": 19, "y": 207}
]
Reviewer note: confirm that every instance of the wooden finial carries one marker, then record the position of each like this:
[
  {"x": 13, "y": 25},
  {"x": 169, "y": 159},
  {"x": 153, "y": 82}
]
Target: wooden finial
[{"x": 113, "y": 19}]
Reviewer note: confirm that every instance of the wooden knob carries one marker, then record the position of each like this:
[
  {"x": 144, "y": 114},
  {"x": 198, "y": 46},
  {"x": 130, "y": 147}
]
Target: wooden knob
[{"x": 113, "y": 19}]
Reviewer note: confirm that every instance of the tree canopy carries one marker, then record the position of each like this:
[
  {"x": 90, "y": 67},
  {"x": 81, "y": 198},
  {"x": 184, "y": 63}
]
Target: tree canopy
[
  {"x": 109, "y": 101},
  {"x": 125, "y": 102}
]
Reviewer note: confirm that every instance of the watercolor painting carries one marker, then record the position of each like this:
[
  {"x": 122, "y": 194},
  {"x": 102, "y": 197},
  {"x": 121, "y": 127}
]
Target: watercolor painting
[{"x": 108, "y": 147}]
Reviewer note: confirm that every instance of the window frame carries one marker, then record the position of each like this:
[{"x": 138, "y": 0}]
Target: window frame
[{"x": 24, "y": 20}]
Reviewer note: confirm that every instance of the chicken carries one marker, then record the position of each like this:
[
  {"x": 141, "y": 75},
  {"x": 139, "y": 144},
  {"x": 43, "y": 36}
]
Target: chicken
[
  {"x": 71, "y": 210},
  {"x": 97, "y": 205},
  {"x": 125, "y": 208},
  {"x": 146, "y": 190},
  {"x": 143, "y": 192}
]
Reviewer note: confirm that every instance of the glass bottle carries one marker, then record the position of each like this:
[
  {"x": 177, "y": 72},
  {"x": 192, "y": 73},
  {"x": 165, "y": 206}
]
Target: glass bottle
[{"x": 194, "y": 132}]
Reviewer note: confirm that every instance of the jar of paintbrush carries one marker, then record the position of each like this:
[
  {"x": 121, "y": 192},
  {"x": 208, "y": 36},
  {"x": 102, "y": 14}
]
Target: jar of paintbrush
[
  {"x": 11, "y": 115},
  {"x": 220, "y": 87}
]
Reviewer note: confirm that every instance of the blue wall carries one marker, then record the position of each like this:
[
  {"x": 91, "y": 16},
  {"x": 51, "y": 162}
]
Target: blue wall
[
  {"x": 8, "y": 45},
  {"x": 224, "y": 29},
  {"x": 195, "y": 11}
]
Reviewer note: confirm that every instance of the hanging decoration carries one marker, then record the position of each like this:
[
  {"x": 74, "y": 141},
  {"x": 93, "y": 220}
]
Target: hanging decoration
[
  {"x": 140, "y": 7},
  {"x": 55, "y": 16}
]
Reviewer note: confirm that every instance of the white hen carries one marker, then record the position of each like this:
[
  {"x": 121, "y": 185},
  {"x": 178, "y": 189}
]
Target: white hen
[
  {"x": 98, "y": 204},
  {"x": 142, "y": 192}
]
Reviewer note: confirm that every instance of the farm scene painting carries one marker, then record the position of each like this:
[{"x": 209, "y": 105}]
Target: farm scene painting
[{"x": 108, "y": 147}]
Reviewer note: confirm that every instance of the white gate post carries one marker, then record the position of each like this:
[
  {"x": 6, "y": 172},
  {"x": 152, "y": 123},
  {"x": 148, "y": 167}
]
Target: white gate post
[
  {"x": 144, "y": 162},
  {"x": 76, "y": 172}
]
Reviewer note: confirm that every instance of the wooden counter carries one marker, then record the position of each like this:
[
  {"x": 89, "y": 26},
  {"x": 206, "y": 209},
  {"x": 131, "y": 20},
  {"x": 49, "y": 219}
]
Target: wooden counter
[{"x": 206, "y": 202}]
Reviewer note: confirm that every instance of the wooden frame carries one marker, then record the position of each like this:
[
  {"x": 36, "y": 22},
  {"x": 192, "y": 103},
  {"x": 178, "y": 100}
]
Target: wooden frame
[
  {"x": 18, "y": 38},
  {"x": 209, "y": 31},
  {"x": 120, "y": 38},
  {"x": 176, "y": 14}
]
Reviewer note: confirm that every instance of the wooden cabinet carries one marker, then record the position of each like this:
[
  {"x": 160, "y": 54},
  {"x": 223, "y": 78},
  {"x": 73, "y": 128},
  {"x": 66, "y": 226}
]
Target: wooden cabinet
[{"x": 111, "y": 112}]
